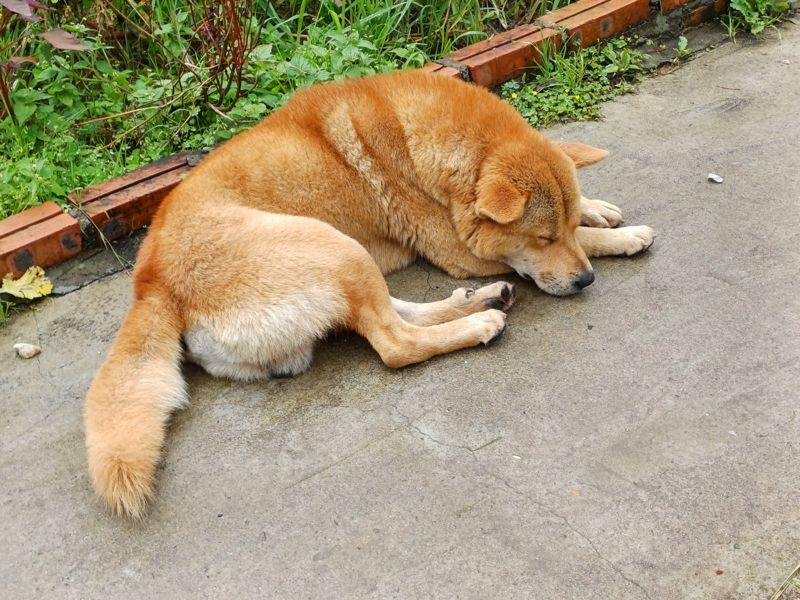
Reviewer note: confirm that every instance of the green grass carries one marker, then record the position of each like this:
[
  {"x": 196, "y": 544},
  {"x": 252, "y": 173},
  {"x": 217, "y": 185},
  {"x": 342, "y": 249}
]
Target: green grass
[
  {"x": 439, "y": 26},
  {"x": 570, "y": 86}
]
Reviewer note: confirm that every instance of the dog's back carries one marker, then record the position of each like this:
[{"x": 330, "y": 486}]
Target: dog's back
[{"x": 369, "y": 156}]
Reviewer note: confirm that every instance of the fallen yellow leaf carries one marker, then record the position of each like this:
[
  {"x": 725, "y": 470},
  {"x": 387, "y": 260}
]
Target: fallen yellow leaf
[{"x": 32, "y": 284}]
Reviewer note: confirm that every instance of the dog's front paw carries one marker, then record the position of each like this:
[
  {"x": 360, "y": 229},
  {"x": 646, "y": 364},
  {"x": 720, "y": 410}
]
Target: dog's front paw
[
  {"x": 499, "y": 295},
  {"x": 635, "y": 239},
  {"x": 490, "y": 323},
  {"x": 597, "y": 213}
]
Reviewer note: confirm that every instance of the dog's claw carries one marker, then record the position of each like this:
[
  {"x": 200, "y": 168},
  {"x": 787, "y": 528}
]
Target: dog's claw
[
  {"x": 494, "y": 337},
  {"x": 496, "y": 303}
]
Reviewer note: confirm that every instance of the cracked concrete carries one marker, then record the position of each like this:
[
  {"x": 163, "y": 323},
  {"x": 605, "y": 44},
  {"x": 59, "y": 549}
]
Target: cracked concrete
[{"x": 639, "y": 440}]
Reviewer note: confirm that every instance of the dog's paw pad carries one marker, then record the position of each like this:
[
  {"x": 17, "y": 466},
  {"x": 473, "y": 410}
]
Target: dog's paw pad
[
  {"x": 501, "y": 295},
  {"x": 509, "y": 292},
  {"x": 281, "y": 374}
]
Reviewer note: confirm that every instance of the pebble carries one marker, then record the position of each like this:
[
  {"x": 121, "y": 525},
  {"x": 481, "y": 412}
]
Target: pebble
[{"x": 27, "y": 350}]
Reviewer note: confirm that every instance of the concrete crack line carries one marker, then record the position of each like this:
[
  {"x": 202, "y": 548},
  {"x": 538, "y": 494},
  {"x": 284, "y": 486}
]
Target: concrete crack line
[
  {"x": 409, "y": 420},
  {"x": 574, "y": 529},
  {"x": 427, "y": 280},
  {"x": 410, "y": 424},
  {"x": 39, "y": 342},
  {"x": 344, "y": 459},
  {"x": 86, "y": 284},
  {"x": 611, "y": 564},
  {"x": 440, "y": 443}
]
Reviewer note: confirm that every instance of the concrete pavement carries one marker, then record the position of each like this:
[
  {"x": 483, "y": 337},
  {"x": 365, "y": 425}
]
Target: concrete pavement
[{"x": 639, "y": 440}]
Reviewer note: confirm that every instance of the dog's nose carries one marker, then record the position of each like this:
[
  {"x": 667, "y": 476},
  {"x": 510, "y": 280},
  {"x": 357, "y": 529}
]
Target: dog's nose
[{"x": 585, "y": 278}]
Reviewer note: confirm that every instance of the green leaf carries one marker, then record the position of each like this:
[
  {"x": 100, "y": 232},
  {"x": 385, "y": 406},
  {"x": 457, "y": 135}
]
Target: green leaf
[
  {"x": 28, "y": 95},
  {"x": 262, "y": 52},
  {"x": 65, "y": 98},
  {"x": 23, "y": 112}
]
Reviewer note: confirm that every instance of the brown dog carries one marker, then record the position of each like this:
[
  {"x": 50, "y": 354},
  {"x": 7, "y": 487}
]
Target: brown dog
[{"x": 283, "y": 234}]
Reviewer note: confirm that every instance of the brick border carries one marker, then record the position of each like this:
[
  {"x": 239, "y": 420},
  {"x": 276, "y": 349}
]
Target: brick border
[
  {"x": 46, "y": 235},
  {"x": 507, "y": 55},
  {"x": 126, "y": 203}
]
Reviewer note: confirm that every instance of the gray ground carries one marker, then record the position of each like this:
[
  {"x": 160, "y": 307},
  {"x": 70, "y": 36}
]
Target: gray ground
[{"x": 639, "y": 440}]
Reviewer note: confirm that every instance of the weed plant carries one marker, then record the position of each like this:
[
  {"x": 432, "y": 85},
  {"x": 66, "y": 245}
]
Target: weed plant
[
  {"x": 754, "y": 16},
  {"x": 568, "y": 86},
  {"x": 437, "y": 25}
]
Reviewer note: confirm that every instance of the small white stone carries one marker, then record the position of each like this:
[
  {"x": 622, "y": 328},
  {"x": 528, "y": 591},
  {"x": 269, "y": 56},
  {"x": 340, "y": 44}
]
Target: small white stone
[
  {"x": 715, "y": 178},
  {"x": 27, "y": 350},
  {"x": 516, "y": 457}
]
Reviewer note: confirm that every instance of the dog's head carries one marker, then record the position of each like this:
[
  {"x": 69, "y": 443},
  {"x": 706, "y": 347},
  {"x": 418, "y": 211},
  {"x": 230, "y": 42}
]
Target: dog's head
[{"x": 527, "y": 210}]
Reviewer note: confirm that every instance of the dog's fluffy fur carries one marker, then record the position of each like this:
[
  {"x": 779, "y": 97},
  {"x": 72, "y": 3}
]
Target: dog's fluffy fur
[{"x": 285, "y": 232}]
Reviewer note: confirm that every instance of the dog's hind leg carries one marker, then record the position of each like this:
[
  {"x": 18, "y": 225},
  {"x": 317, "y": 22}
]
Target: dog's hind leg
[
  {"x": 462, "y": 302},
  {"x": 390, "y": 256},
  {"x": 302, "y": 279},
  {"x": 400, "y": 343}
]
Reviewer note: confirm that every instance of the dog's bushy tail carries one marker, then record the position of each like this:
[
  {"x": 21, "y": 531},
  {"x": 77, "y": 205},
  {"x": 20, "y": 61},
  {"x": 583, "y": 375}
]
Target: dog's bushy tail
[{"x": 129, "y": 403}]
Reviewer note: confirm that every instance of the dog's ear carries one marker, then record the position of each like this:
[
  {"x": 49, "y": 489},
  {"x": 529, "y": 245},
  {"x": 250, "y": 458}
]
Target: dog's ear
[
  {"x": 500, "y": 202},
  {"x": 581, "y": 154}
]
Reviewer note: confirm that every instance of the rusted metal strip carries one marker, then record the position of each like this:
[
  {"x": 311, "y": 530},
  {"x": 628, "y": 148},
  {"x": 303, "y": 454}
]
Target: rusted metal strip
[{"x": 463, "y": 70}]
